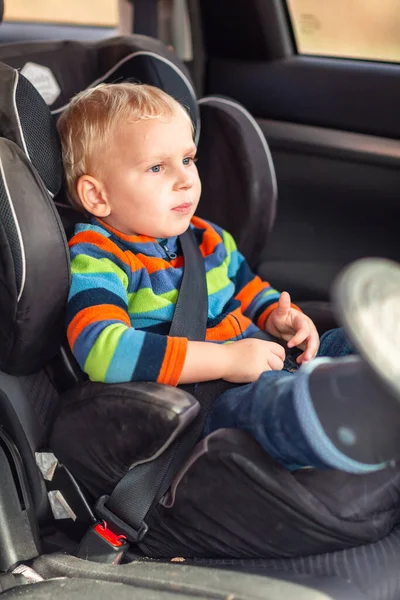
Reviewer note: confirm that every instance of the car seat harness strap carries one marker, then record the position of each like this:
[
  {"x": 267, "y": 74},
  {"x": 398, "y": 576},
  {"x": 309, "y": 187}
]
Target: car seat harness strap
[{"x": 143, "y": 486}]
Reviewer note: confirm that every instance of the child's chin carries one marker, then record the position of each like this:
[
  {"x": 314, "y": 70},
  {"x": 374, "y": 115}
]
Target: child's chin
[{"x": 174, "y": 231}]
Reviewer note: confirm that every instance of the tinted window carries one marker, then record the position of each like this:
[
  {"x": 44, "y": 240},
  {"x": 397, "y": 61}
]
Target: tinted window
[
  {"x": 103, "y": 13},
  {"x": 366, "y": 29}
]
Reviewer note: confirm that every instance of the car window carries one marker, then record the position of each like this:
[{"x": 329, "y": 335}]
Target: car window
[
  {"x": 102, "y": 13},
  {"x": 364, "y": 29}
]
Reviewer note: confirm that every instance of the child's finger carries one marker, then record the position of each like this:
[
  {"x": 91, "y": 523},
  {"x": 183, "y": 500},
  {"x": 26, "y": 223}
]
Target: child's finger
[
  {"x": 311, "y": 349},
  {"x": 299, "y": 337},
  {"x": 301, "y": 359},
  {"x": 305, "y": 356},
  {"x": 312, "y": 346},
  {"x": 284, "y": 304}
]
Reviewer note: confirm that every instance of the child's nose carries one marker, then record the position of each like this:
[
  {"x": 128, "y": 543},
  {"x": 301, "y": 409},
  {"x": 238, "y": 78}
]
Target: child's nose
[{"x": 184, "y": 179}]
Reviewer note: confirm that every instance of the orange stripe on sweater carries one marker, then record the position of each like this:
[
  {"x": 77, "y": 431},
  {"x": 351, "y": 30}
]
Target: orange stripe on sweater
[
  {"x": 265, "y": 314},
  {"x": 211, "y": 238},
  {"x": 92, "y": 314},
  {"x": 232, "y": 325},
  {"x": 124, "y": 236},
  {"x": 153, "y": 264},
  {"x": 104, "y": 243},
  {"x": 173, "y": 362},
  {"x": 250, "y": 291}
]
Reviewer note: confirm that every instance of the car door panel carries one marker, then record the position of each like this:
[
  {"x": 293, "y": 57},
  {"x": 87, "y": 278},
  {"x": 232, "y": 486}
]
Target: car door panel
[
  {"x": 332, "y": 128},
  {"x": 338, "y": 201}
]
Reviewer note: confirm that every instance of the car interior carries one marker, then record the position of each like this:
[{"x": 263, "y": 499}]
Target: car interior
[{"x": 298, "y": 157}]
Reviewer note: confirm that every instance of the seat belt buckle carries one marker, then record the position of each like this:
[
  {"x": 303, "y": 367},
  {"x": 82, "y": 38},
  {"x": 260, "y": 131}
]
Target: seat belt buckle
[
  {"x": 102, "y": 545},
  {"x": 130, "y": 533}
]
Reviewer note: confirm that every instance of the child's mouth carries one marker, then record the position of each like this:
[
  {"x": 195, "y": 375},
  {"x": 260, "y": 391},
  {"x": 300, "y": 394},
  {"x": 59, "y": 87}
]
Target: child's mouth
[{"x": 183, "y": 208}]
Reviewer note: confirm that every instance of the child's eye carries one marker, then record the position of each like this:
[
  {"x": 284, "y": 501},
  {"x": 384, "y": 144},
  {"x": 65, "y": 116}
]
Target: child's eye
[
  {"x": 189, "y": 160},
  {"x": 155, "y": 169}
]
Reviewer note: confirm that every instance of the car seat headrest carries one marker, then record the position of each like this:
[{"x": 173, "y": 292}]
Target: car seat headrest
[
  {"x": 144, "y": 59},
  {"x": 52, "y": 68},
  {"x": 25, "y": 119},
  {"x": 34, "y": 266},
  {"x": 144, "y": 65}
]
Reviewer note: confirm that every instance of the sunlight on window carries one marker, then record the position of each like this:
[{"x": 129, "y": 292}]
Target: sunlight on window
[
  {"x": 368, "y": 29},
  {"x": 77, "y": 12}
]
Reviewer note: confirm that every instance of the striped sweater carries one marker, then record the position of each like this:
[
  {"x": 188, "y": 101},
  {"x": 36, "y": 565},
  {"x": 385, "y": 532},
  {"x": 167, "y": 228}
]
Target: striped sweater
[{"x": 123, "y": 295}]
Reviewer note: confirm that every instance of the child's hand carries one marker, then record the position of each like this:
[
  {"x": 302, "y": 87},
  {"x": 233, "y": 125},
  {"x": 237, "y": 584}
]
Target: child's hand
[
  {"x": 246, "y": 359},
  {"x": 294, "y": 327}
]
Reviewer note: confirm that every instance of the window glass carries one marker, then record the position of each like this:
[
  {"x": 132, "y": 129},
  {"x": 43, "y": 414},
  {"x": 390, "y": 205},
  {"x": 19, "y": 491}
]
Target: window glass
[
  {"x": 102, "y": 13},
  {"x": 366, "y": 29}
]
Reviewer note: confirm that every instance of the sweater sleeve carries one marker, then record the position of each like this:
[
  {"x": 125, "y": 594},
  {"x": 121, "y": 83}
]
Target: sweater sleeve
[
  {"x": 257, "y": 297},
  {"x": 99, "y": 329}
]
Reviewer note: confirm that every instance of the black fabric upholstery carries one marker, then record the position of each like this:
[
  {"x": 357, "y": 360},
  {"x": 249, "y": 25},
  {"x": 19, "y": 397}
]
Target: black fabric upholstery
[
  {"x": 27, "y": 405},
  {"x": 58, "y": 57},
  {"x": 42, "y": 396},
  {"x": 70, "y": 217},
  {"x": 232, "y": 500},
  {"x": 91, "y": 589},
  {"x": 18, "y": 417},
  {"x": 26, "y": 120},
  {"x": 239, "y": 189},
  {"x": 102, "y": 430},
  {"x": 34, "y": 277},
  {"x": 370, "y": 570},
  {"x": 41, "y": 139},
  {"x": 183, "y": 581},
  {"x": 135, "y": 57},
  {"x": 13, "y": 256}
]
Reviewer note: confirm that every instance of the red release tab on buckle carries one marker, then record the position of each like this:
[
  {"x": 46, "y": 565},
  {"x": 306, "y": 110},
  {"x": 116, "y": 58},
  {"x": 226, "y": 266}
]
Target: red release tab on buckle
[{"x": 112, "y": 538}]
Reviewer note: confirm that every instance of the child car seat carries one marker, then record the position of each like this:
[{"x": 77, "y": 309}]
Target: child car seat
[
  {"x": 243, "y": 204},
  {"x": 229, "y": 461},
  {"x": 243, "y": 201}
]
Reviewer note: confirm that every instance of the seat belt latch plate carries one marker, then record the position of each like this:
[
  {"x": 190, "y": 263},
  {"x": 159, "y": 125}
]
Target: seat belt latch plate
[{"x": 132, "y": 535}]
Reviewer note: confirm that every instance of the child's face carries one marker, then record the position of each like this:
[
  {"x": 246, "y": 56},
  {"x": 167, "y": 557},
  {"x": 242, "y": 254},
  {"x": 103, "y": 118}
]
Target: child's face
[{"x": 150, "y": 180}]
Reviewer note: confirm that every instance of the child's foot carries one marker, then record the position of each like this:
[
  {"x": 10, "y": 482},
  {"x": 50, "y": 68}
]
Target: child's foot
[
  {"x": 349, "y": 407},
  {"x": 366, "y": 297}
]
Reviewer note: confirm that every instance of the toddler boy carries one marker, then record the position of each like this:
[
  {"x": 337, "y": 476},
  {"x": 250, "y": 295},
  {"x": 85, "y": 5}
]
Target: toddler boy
[{"x": 129, "y": 161}]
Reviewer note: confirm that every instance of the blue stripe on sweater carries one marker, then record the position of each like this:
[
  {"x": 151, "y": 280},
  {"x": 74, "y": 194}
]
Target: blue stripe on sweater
[
  {"x": 96, "y": 297},
  {"x": 147, "y": 369},
  {"x": 125, "y": 356},
  {"x": 83, "y": 282}
]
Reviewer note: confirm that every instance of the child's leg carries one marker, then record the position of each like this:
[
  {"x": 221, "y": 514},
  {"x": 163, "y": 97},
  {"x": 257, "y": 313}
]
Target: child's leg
[
  {"x": 265, "y": 409},
  {"x": 336, "y": 343},
  {"x": 330, "y": 414},
  {"x": 342, "y": 413}
]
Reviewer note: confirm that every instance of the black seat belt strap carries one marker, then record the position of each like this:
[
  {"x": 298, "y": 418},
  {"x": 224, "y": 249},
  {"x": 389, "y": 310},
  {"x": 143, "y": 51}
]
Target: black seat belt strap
[
  {"x": 191, "y": 311},
  {"x": 142, "y": 487}
]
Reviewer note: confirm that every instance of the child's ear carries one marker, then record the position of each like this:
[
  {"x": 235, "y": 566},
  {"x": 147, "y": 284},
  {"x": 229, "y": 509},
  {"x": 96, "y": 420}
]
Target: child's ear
[{"x": 92, "y": 195}]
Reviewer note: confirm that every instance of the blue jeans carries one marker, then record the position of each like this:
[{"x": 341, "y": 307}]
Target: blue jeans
[{"x": 269, "y": 409}]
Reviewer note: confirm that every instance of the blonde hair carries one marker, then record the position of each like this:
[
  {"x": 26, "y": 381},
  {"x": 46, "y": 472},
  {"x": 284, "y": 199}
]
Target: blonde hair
[{"x": 94, "y": 115}]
